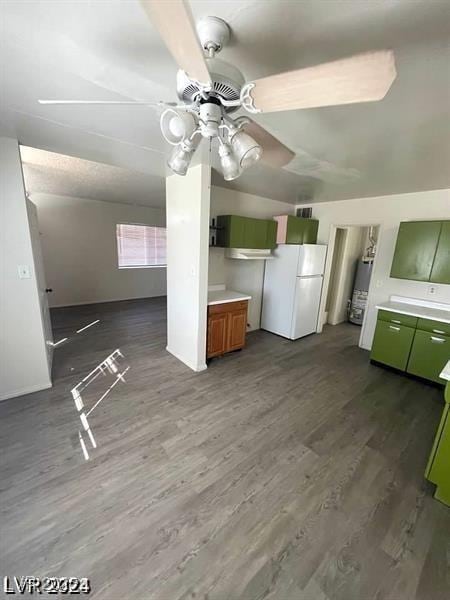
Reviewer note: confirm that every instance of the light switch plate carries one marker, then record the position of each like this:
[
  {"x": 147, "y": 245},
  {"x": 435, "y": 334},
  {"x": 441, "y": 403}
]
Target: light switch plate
[{"x": 24, "y": 271}]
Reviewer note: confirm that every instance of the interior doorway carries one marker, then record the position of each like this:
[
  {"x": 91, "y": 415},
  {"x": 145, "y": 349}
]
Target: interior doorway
[{"x": 353, "y": 250}]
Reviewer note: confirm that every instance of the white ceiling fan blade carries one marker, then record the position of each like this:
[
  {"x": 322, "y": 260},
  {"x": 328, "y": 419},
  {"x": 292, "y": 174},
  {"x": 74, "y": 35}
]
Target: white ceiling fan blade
[
  {"x": 113, "y": 102},
  {"x": 275, "y": 153},
  {"x": 361, "y": 78},
  {"x": 173, "y": 20}
]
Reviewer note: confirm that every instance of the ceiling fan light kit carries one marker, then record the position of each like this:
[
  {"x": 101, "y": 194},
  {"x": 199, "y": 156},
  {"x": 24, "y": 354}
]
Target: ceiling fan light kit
[{"x": 210, "y": 89}]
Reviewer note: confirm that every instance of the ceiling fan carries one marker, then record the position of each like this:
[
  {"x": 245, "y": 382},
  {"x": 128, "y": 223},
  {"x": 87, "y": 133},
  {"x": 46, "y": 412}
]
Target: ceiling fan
[{"x": 210, "y": 89}]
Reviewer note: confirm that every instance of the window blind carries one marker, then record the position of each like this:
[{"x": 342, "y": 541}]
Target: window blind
[{"x": 141, "y": 245}]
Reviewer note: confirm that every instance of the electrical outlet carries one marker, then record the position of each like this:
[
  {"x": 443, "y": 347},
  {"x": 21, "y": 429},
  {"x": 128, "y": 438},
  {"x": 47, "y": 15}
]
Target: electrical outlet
[
  {"x": 432, "y": 290},
  {"x": 24, "y": 271}
]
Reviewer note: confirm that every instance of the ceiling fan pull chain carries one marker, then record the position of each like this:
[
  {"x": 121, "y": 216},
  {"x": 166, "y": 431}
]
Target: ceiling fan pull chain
[{"x": 246, "y": 98}]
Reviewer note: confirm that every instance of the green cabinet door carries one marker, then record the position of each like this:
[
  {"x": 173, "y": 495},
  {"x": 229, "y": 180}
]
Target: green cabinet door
[
  {"x": 244, "y": 232},
  {"x": 392, "y": 344},
  {"x": 294, "y": 231},
  {"x": 301, "y": 231},
  {"x": 429, "y": 355},
  {"x": 311, "y": 227},
  {"x": 271, "y": 240},
  {"x": 259, "y": 233},
  {"x": 230, "y": 231},
  {"x": 415, "y": 249},
  {"x": 440, "y": 273},
  {"x": 438, "y": 470}
]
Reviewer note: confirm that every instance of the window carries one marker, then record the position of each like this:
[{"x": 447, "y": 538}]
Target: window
[{"x": 141, "y": 246}]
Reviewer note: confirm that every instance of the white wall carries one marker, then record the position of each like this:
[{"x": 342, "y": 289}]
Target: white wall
[
  {"x": 187, "y": 206},
  {"x": 80, "y": 250},
  {"x": 23, "y": 355},
  {"x": 388, "y": 212},
  {"x": 241, "y": 275},
  {"x": 352, "y": 250}
]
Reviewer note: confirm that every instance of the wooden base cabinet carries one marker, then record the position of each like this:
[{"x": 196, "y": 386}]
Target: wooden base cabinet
[{"x": 227, "y": 327}]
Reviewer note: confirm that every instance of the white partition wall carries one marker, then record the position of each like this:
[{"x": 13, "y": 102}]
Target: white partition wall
[
  {"x": 187, "y": 216},
  {"x": 24, "y": 363}
]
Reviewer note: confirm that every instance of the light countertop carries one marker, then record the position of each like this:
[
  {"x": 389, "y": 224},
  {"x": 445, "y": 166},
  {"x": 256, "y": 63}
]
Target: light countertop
[
  {"x": 446, "y": 372},
  {"x": 422, "y": 309},
  {"x": 222, "y": 296}
]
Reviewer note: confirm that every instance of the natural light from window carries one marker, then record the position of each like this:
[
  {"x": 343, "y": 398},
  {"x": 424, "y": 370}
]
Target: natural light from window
[{"x": 140, "y": 246}]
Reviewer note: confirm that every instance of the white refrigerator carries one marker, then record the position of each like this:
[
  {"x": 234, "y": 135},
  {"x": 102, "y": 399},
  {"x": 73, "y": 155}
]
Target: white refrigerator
[{"x": 292, "y": 290}]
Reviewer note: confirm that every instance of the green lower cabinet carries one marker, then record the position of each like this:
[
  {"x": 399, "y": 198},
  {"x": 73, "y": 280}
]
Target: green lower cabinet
[
  {"x": 429, "y": 355},
  {"x": 392, "y": 344},
  {"x": 438, "y": 468}
]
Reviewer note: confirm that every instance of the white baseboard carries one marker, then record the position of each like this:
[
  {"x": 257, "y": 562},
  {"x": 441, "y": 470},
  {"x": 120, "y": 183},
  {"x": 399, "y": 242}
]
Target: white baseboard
[
  {"x": 195, "y": 367},
  {"x": 26, "y": 390},
  {"x": 105, "y": 301}
]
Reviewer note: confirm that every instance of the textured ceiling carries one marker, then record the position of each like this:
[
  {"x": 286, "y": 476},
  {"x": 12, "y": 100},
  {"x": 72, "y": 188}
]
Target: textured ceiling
[
  {"x": 50, "y": 173},
  {"x": 109, "y": 50}
]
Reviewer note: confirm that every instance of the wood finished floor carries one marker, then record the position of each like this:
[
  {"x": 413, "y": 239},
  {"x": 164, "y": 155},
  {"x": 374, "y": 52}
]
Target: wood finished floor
[{"x": 290, "y": 470}]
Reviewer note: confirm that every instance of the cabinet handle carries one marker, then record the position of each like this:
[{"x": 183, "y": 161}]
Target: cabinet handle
[
  {"x": 438, "y": 331},
  {"x": 394, "y": 328},
  {"x": 437, "y": 340},
  {"x": 395, "y": 321}
]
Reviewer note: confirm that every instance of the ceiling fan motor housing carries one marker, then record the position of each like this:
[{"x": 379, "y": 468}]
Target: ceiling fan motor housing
[{"x": 227, "y": 82}]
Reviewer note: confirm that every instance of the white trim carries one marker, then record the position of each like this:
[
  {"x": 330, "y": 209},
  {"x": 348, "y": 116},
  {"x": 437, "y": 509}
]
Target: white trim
[
  {"x": 27, "y": 390},
  {"x": 105, "y": 301},
  {"x": 196, "y": 368}
]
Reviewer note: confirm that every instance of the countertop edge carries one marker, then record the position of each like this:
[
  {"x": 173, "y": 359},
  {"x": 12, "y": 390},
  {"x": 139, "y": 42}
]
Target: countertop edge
[
  {"x": 422, "y": 312},
  {"x": 226, "y": 300}
]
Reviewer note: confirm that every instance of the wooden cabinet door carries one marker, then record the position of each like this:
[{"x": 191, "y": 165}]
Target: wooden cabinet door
[
  {"x": 217, "y": 334},
  {"x": 440, "y": 272},
  {"x": 237, "y": 327},
  {"x": 415, "y": 249}
]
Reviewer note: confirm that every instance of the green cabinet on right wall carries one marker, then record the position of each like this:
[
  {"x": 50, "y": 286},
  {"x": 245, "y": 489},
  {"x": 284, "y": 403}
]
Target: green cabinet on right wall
[
  {"x": 422, "y": 251},
  {"x": 415, "y": 249},
  {"x": 438, "y": 468},
  {"x": 440, "y": 273}
]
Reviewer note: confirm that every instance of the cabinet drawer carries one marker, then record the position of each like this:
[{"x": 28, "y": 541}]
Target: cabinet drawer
[
  {"x": 397, "y": 318},
  {"x": 434, "y": 326},
  {"x": 429, "y": 355},
  {"x": 227, "y": 307},
  {"x": 392, "y": 344}
]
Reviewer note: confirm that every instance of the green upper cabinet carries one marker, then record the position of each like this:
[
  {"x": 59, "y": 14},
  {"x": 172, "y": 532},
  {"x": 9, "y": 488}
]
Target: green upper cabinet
[
  {"x": 244, "y": 232},
  {"x": 271, "y": 234},
  {"x": 440, "y": 273},
  {"x": 415, "y": 251},
  {"x": 231, "y": 231},
  {"x": 297, "y": 230}
]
